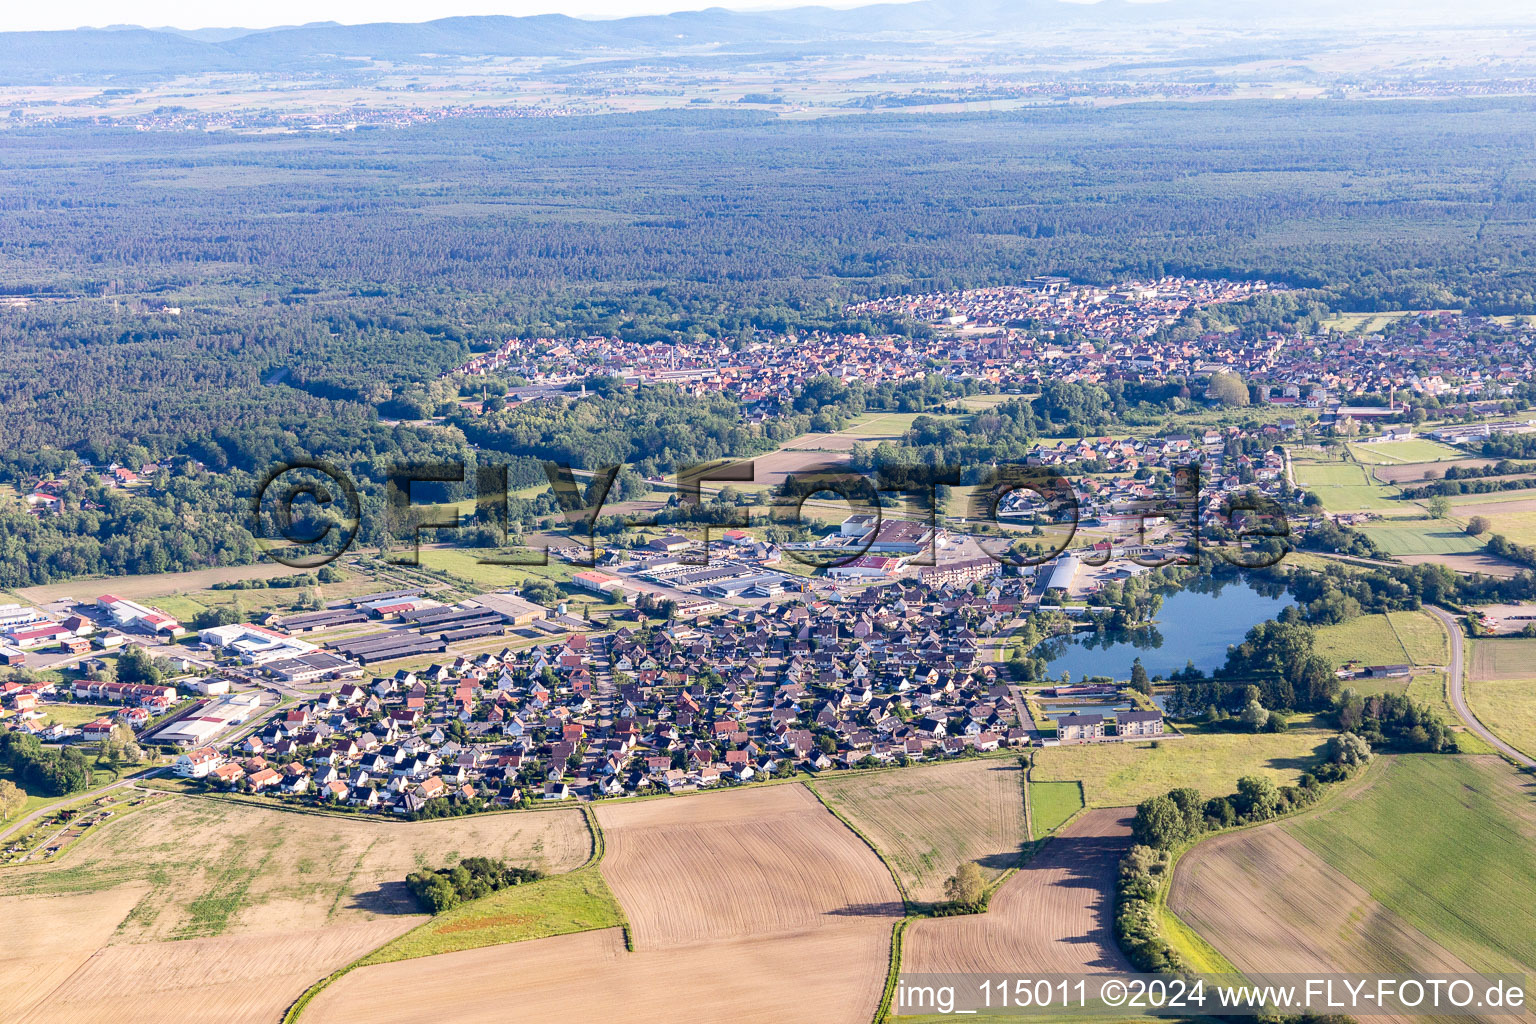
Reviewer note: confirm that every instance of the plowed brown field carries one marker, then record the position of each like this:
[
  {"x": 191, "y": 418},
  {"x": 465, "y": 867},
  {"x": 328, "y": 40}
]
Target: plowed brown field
[
  {"x": 1055, "y": 915},
  {"x": 749, "y": 905},
  {"x": 47, "y": 938},
  {"x": 249, "y": 979},
  {"x": 750, "y": 863}
]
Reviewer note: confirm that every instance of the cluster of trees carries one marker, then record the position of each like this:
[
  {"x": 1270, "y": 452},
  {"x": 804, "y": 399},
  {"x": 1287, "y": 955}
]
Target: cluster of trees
[
  {"x": 1394, "y": 720},
  {"x": 43, "y": 770},
  {"x": 12, "y": 799},
  {"x": 1340, "y": 540},
  {"x": 445, "y": 888},
  {"x": 966, "y": 888},
  {"x": 1503, "y": 547}
]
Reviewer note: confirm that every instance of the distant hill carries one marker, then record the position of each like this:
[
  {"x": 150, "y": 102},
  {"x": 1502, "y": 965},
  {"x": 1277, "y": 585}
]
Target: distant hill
[{"x": 130, "y": 52}]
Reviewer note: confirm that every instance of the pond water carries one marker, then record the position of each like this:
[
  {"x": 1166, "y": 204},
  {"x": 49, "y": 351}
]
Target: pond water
[
  {"x": 1193, "y": 625},
  {"x": 1061, "y": 708}
]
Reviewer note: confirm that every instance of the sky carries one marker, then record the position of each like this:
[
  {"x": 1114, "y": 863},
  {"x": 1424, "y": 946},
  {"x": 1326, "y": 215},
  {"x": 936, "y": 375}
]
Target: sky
[{"x": 16, "y": 15}]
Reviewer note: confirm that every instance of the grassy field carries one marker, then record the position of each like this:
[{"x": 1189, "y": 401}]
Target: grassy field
[
  {"x": 577, "y": 901},
  {"x": 1415, "y": 450},
  {"x": 1516, "y": 522},
  {"x": 926, "y": 820},
  {"x": 1123, "y": 774},
  {"x": 1502, "y": 658},
  {"x": 74, "y": 715},
  {"x": 1421, "y": 537},
  {"x": 1508, "y": 708},
  {"x": 1052, "y": 803},
  {"x": 1365, "y": 639},
  {"x": 1445, "y": 842},
  {"x": 1342, "y": 486}
]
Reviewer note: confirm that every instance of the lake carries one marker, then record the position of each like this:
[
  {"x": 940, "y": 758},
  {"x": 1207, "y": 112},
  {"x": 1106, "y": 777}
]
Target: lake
[{"x": 1194, "y": 625}]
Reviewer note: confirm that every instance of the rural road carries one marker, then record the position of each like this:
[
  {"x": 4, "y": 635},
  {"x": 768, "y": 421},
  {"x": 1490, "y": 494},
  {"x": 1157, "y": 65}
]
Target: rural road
[{"x": 1458, "y": 695}]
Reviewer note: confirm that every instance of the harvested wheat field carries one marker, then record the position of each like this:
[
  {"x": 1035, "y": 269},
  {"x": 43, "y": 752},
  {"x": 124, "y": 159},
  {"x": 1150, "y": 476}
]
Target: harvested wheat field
[
  {"x": 927, "y": 820},
  {"x": 752, "y": 905},
  {"x": 752, "y": 862},
  {"x": 281, "y": 893},
  {"x": 827, "y": 976},
  {"x": 47, "y": 938},
  {"x": 1055, "y": 915},
  {"x": 249, "y": 979},
  {"x": 1269, "y": 904}
]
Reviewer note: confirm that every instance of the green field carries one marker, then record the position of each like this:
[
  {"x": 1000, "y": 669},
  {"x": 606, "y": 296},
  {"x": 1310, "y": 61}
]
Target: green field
[
  {"x": 73, "y": 716},
  {"x": 1508, "y": 708},
  {"x": 577, "y": 901},
  {"x": 1123, "y": 774},
  {"x": 1365, "y": 640},
  {"x": 1393, "y": 638},
  {"x": 1421, "y": 537},
  {"x": 1343, "y": 486},
  {"x": 1444, "y": 842},
  {"x": 1415, "y": 450},
  {"x": 1052, "y": 803},
  {"x": 1422, "y": 637}
]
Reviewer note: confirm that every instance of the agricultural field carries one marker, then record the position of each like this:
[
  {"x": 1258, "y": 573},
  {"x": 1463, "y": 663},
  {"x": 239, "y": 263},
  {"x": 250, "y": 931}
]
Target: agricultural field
[
  {"x": 1054, "y": 915},
  {"x": 1342, "y": 486},
  {"x": 241, "y": 907},
  {"x": 1123, "y": 774},
  {"x": 1365, "y": 640},
  {"x": 1414, "y": 472},
  {"x": 1269, "y": 904},
  {"x": 734, "y": 898},
  {"x": 1508, "y": 708},
  {"x": 1052, "y": 803},
  {"x": 1417, "y": 449},
  {"x": 1515, "y": 519},
  {"x": 1502, "y": 658},
  {"x": 1464, "y": 874},
  {"x": 1392, "y": 638},
  {"x": 927, "y": 820},
  {"x": 1421, "y": 537}
]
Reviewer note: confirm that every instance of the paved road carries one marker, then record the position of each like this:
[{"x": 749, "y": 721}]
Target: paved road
[{"x": 1459, "y": 697}]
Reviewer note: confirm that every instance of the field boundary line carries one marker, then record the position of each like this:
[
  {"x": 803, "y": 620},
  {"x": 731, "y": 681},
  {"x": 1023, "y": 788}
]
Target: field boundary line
[
  {"x": 1165, "y": 887},
  {"x": 599, "y": 848},
  {"x": 893, "y": 972},
  {"x": 906, "y": 901}
]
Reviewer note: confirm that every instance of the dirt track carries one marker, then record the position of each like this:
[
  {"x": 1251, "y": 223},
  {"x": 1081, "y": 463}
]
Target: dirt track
[{"x": 1054, "y": 915}]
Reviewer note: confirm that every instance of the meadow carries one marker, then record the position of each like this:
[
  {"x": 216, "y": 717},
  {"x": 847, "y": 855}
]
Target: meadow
[
  {"x": 1051, "y": 804},
  {"x": 1342, "y": 486},
  {"x": 1421, "y": 536},
  {"x": 1392, "y": 638},
  {"x": 575, "y": 901},
  {"x": 1124, "y": 774},
  {"x": 1508, "y": 708},
  {"x": 1415, "y": 450}
]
